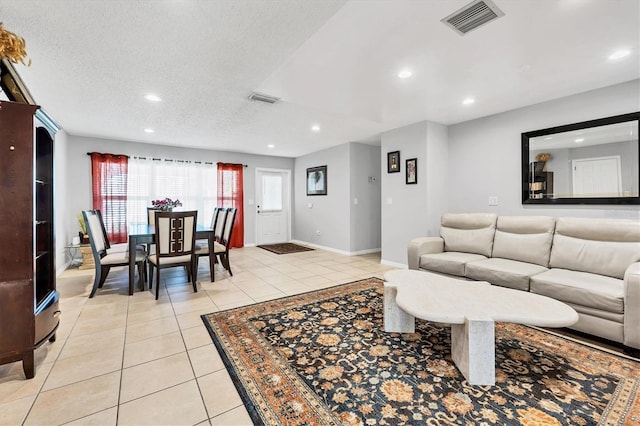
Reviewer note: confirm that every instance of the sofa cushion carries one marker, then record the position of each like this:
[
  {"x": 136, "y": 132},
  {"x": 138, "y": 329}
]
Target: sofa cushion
[
  {"x": 469, "y": 232},
  {"x": 598, "y": 246},
  {"x": 450, "y": 262},
  {"x": 581, "y": 288},
  {"x": 524, "y": 238},
  {"x": 503, "y": 272}
]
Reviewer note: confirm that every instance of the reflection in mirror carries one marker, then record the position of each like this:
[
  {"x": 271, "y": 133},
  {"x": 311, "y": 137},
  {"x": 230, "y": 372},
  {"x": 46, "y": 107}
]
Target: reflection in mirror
[{"x": 594, "y": 162}]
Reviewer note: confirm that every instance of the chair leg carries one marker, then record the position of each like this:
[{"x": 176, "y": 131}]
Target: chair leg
[
  {"x": 96, "y": 280},
  {"x": 225, "y": 262},
  {"x": 212, "y": 261},
  {"x": 141, "y": 269},
  {"x": 194, "y": 273},
  {"x": 104, "y": 271},
  {"x": 150, "y": 276},
  {"x": 158, "y": 281}
]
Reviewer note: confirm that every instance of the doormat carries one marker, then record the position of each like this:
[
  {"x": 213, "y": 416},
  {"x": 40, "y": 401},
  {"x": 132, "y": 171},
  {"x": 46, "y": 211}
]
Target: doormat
[
  {"x": 323, "y": 358},
  {"x": 284, "y": 248}
]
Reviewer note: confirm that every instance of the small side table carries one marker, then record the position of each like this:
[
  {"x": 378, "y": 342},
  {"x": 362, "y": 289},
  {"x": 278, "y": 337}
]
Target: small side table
[
  {"x": 72, "y": 251},
  {"x": 87, "y": 257}
]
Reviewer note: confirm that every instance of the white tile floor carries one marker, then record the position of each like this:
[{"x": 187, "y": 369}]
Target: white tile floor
[{"x": 122, "y": 359}]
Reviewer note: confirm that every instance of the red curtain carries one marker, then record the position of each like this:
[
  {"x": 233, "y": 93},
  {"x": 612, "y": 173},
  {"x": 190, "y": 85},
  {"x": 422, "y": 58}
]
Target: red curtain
[
  {"x": 230, "y": 194},
  {"x": 109, "y": 187}
]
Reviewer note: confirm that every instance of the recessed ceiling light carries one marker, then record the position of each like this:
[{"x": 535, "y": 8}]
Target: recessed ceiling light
[
  {"x": 147, "y": 130},
  {"x": 153, "y": 98},
  {"x": 468, "y": 101},
  {"x": 315, "y": 128},
  {"x": 271, "y": 146},
  {"x": 619, "y": 54},
  {"x": 405, "y": 74},
  {"x": 548, "y": 138},
  {"x": 579, "y": 140}
]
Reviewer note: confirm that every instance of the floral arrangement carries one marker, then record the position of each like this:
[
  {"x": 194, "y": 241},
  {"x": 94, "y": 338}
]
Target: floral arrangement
[
  {"x": 167, "y": 204},
  {"x": 12, "y": 47},
  {"x": 543, "y": 156}
]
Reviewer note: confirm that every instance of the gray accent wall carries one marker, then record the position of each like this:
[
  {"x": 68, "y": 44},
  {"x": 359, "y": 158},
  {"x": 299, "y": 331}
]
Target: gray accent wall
[
  {"x": 78, "y": 179},
  {"x": 484, "y": 154},
  {"x": 324, "y": 220},
  {"x": 410, "y": 211},
  {"x": 335, "y": 221},
  {"x": 365, "y": 188}
]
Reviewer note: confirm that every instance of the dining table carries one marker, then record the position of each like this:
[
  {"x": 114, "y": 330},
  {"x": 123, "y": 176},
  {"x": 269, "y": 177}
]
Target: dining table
[{"x": 143, "y": 233}]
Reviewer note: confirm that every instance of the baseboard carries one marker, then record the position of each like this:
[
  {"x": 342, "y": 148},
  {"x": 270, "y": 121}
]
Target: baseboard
[
  {"x": 335, "y": 250},
  {"x": 249, "y": 245},
  {"x": 63, "y": 268},
  {"x": 395, "y": 264}
]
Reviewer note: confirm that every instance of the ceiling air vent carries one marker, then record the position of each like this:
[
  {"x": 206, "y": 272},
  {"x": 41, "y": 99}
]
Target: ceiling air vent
[
  {"x": 255, "y": 96},
  {"x": 472, "y": 16}
]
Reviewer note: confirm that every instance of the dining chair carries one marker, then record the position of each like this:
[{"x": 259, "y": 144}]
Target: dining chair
[
  {"x": 175, "y": 239},
  {"x": 151, "y": 214},
  {"x": 221, "y": 249},
  {"x": 202, "y": 247},
  {"x": 113, "y": 248},
  {"x": 104, "y": 259}
]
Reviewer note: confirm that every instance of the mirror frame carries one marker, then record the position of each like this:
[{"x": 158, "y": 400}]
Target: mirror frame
[{"x": 568, "y": 128}]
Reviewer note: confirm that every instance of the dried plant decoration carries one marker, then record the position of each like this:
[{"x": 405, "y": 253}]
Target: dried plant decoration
[{"x": 12, "y": 47}]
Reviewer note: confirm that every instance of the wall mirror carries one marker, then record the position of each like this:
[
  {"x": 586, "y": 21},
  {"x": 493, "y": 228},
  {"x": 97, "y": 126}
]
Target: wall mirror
[{"x": 593, "y": 162}]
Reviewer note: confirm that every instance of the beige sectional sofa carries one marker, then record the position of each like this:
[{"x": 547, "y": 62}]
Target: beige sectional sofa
[{"x": 592, "y": 265}]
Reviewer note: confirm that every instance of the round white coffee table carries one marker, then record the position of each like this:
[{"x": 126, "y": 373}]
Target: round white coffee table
[{"x": 471, "y": 307}]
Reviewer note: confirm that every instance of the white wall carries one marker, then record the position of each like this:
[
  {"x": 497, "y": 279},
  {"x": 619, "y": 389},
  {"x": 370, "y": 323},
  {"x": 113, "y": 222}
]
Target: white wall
[
  {"x": 365, "y": 218},
  {"x": 78, "y": 179},
  {"x": 64, "y": 217},
  {"x": 484, "y": 154},
  {"x": 329, "y": 213}
]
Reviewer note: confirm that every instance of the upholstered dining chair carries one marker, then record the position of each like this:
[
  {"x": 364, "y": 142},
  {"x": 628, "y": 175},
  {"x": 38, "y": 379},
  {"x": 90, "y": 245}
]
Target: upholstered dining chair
[
  {"x": 221, "y": 249},
  {"x": 175, "y": 240},
  {"x": 103, "y": 255},
  {"x": 151, "y": 214},
  {"x": 202, "y": 246}
]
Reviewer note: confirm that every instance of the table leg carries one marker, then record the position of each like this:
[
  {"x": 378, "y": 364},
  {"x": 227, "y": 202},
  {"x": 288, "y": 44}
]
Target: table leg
[
  {"x": 132, "y": 263},
  {"x": 395, "y": 319},
  {"x": 473, "y": 349}
]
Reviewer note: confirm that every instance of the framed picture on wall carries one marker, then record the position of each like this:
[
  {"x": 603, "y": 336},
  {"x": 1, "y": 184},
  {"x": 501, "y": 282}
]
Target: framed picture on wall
[
  {"x": 411, "y": 170},
  {"x": 393, "y": 162},
  {"x": 317, "y": 180}
]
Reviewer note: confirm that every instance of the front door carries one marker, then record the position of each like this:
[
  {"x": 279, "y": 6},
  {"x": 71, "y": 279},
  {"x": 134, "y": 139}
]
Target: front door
[{"x": 273, "y": 206}]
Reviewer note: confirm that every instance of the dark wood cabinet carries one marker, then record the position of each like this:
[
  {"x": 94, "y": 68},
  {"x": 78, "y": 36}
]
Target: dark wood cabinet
[
  {"x": 540, "y": 181},
  {"x": 28, "y": 297}
]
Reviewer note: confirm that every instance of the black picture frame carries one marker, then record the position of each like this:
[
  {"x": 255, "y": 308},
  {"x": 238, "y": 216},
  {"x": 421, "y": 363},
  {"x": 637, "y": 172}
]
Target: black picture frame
[
  {"x": 393, "y": 162},
  {"x": 317, "y": 180},
  {"x": 411, "y": 171}
]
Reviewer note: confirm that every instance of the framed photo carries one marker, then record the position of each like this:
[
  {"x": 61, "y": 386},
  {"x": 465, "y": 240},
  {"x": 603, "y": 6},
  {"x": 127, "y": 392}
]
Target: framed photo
[
  {"x": 393, "y": 162},
  {"x": 317, "y": 180},
  {"x": 411, "y": 169}
]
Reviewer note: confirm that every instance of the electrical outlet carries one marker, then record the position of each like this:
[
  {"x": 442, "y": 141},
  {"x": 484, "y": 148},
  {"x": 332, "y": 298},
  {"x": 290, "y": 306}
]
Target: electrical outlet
[
  {"x": 318, "y": 232},
  {"x": 493, "y": 200}
]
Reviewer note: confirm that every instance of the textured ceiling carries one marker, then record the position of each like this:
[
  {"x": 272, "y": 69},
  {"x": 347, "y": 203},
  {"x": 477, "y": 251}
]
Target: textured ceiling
[{"x": 333, "y": 63}]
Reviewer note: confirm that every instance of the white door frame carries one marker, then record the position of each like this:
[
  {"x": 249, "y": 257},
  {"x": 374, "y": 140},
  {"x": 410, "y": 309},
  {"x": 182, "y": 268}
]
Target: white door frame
[
  {"x": 610, "y": 157},
  {"x": 286, "y": 195}
]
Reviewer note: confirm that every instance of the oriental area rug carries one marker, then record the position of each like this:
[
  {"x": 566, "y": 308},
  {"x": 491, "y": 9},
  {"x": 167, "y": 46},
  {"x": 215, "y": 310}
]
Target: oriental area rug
[
  {"x": 284, "y": 248},
  {"x": 323, "y": 358}
]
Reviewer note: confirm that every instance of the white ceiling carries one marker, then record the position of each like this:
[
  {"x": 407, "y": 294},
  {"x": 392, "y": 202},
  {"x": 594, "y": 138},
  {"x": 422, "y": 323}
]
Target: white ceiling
[{"x": 333, "y": 63}]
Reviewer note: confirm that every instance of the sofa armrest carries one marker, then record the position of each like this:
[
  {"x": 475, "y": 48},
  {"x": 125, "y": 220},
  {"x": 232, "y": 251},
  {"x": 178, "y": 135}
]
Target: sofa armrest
[
  {"x": 424, "y": 245},
  {"x": 632, "y": 306}
]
